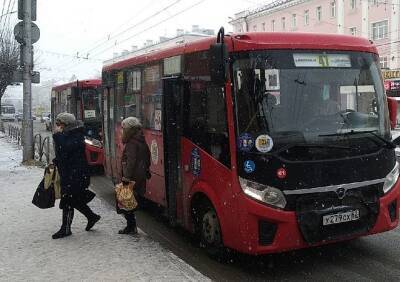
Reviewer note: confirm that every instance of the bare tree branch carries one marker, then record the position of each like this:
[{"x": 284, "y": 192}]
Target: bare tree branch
[{"x": 9, "y": 54}]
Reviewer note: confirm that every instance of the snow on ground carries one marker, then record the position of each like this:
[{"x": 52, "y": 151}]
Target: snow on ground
[{"x": 27, "y": 251}]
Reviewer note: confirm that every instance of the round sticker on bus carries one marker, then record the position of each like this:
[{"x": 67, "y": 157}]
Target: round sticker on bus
[
  {"x": 249, "y": 166},
  {"x": 245, "y": 142},
  {"x": 264, "y": 143},
  {"x": 195, "y": 162},
  {"x": 154, "y": 151}
]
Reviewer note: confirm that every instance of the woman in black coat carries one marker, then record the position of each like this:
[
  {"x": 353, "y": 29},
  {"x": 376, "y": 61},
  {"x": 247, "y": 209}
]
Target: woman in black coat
[{"x": 72, "y": 166}]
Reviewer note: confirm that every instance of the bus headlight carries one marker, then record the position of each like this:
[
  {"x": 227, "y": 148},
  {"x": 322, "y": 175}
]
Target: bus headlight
[
  {"x": 264, "y": 193},
  {"x": 391, "y": 178},
  {"x": 93, "y": 142}
]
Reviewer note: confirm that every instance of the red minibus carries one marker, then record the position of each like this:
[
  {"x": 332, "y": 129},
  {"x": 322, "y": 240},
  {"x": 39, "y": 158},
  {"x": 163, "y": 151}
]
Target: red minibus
[
  {"x": 83, "y": 99},
  {"x": 261, "y": 142}
]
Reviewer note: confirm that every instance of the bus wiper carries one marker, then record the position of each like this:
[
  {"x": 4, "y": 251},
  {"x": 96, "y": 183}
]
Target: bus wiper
[
  {"x": 310, "y": 145},
  {"x": 388, "y": 143}
]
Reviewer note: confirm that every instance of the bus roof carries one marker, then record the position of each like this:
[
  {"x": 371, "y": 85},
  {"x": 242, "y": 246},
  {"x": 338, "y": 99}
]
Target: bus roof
[
  {"x": 89, "y": 83},
  {"x": 257, "y": 41}
]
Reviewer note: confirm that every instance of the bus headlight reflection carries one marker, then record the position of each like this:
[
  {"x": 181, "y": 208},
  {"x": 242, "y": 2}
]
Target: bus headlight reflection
[
  {"x": 391, "y": 179},
  {"x": 267, "y": 194}
]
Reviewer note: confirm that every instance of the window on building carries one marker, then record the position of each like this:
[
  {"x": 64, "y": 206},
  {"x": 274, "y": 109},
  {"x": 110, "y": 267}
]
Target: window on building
[
  {"x": 380, "y": 30},
  {"x": 263, "y": 26},
  {"x": 333, "y": 9},
  {"x": 283, "y": 23},
  {"x": 273, "y": 25},
  {"x": 384, "y": 62},
  {"x": 353, "y": 4},
  {"x": 353, "y": 31},
  {"x": 254, "y": 27},
  {"x": 319, "y": 13},
  {"x": 294, "y": 21},
  {"x": 306, "y": 17}
]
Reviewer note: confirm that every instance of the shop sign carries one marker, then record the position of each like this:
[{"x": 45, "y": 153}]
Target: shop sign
[{"x": 388, "y": 74}]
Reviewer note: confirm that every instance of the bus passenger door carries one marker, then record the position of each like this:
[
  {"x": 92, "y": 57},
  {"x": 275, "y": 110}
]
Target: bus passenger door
[
  {"x": 109, "y": 134},
  {"x": 172, "y": 125}
]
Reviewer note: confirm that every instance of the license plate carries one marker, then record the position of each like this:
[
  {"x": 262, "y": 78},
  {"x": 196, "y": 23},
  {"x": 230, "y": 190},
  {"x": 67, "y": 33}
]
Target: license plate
[{"x": 341, "y": 217}]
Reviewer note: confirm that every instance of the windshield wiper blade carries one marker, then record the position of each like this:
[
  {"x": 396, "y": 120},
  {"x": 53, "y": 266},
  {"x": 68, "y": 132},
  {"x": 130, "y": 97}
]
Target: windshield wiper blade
[
  {"x": 310, "y": 145},
  {"x": 388, "y": 143}
]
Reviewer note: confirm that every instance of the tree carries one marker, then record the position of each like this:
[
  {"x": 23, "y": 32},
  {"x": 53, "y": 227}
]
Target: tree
[{"x": 9, "y": 54}]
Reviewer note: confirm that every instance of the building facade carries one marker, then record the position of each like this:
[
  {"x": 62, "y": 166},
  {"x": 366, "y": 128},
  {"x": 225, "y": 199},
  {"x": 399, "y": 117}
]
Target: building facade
[{"x": 377, "y": 20}]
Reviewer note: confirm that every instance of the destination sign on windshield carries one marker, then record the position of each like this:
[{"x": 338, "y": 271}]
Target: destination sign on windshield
[{"x": 322, "y": 60}]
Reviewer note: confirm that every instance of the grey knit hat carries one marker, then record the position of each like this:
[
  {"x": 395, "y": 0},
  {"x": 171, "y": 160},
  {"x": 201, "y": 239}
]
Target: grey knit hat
[
  {"x": 65, "y": 118},
  {"x": 131, "y": 122}
]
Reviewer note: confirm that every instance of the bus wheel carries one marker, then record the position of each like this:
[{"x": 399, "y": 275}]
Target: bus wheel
[{"x": 210, "y": 233}]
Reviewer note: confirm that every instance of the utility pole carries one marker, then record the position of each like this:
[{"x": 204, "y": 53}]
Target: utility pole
[
  {"x": 27, "y": 33},
  {"x": 27, "y": 122}
]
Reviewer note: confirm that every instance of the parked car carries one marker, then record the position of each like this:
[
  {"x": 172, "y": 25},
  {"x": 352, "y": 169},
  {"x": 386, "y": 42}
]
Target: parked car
[
  {"x": 44, "y": 117},
  {"x": 18, "y": 117},
  {"x": 48, "y": 124}
]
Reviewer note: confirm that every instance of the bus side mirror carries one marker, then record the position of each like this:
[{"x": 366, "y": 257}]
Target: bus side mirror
[
  {"x": 218, "y": 63},
  {"x": 392, "y": 105},
  {"x": 218, "y": 55}
]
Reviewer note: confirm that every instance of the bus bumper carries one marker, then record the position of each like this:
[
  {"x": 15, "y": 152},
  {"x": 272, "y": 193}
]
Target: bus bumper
[
  {"x": 267, "y": 230},
  {"x": 94, "y": 155}
]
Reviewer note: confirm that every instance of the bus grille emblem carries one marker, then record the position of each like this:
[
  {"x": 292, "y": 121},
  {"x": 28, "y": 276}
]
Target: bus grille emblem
[{"x": 341, "y": 192}]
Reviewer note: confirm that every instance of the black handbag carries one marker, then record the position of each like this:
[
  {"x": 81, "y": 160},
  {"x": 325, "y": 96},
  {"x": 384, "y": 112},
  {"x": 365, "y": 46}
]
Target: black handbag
[{"x": 44, "y": 198}]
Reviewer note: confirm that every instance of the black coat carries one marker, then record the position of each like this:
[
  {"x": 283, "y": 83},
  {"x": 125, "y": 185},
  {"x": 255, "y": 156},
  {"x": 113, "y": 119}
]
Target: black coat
[{"x": 71, "y": 161}]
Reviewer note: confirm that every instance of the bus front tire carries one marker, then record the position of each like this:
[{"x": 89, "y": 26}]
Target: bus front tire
[{"x": 209, "y": 231}]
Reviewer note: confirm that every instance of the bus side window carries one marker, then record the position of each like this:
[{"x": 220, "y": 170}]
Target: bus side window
[
  {"x": 217, "y": 126},
  {"x": 207, "y": 127}
]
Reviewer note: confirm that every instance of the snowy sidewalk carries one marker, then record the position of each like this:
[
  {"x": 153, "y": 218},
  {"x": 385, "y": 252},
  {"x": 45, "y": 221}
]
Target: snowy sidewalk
[{"x": 27, "y": 251}]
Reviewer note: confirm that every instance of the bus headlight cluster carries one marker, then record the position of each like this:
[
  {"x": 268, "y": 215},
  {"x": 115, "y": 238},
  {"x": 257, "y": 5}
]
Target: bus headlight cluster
[
  {"x": 93, "y": 142},
  {"x": 264, "y": 193},
  {"x": 391, "y": 179}
]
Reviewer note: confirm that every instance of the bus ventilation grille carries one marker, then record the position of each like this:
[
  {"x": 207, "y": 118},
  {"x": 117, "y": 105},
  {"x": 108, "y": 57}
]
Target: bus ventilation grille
[{"x": 266, "y": 232}]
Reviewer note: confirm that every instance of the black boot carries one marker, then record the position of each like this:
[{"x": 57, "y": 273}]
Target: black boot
[
  {"x": 65, "y": 230},
  {"x": 90, "y": 215},
  {"x": 92, "y": 221},
  {"x": 130, "y": 225}
]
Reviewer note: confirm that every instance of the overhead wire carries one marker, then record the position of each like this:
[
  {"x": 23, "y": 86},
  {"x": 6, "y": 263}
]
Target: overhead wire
[
  {"x": 146, "y": 29},
  {"x": 152, "y": 26},
  {"x": 138, "y": 24},
  {"x": 127, "y": 29}
]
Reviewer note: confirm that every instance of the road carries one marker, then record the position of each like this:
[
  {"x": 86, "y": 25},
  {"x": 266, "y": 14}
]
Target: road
[
  {"x": 370, "y": 258},
  {"x": 373, "y": 258}
]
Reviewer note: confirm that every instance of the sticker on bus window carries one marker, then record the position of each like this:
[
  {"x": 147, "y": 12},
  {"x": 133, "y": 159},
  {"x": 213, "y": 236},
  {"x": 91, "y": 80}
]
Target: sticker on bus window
[
  {"x": 322, "y": 60},
  {"x": 90, "y": 113},
  {"x": 264, "y": 143},
  {"x": 249, "y": 166},
  {"x": 245, "y": 142},
  {"x": 195, "y": 162},
  {"x": 157, "y": 119},
  {"x": 154, "y": 152}
]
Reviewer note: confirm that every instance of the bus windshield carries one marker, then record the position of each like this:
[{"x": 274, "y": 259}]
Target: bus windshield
[
  {"x": 91, "y": 104},
  {"x": 308, "y": 97}
]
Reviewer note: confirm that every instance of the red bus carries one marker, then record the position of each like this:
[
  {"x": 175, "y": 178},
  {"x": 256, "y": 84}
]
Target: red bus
[
  {"x": 261, "y": 142},
  {"x": 83, "y": 99}
]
